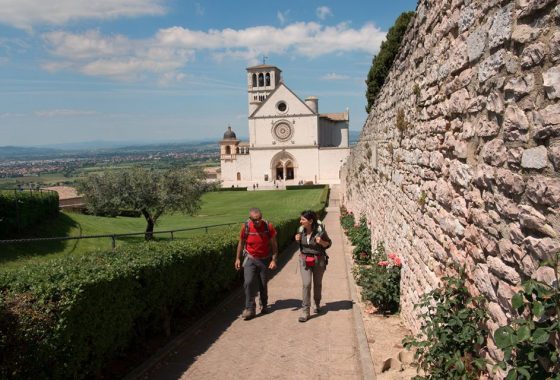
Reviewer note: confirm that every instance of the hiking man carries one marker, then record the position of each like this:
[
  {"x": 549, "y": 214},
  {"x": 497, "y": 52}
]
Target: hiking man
[{"x": 256, "y": 238}]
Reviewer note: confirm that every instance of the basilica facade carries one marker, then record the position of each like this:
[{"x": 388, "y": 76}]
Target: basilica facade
[{"x": 290, "y": 142}]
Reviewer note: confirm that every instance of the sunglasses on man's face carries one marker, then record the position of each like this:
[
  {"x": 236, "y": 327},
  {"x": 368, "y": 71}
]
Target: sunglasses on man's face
[{"x": 255, "y": 220}]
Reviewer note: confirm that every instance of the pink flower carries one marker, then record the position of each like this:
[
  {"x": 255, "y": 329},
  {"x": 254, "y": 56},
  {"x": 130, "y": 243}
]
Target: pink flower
[
  {"x": 383, "y": 263},
  {"x": 350, "y": 212},
  {"x": 363, "y": 255},
  {"x": 397, "y": 261},
  {"x": 392, "y": 256}
]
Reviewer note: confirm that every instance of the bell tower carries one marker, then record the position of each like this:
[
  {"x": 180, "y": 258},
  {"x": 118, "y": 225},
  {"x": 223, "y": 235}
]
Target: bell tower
[{"x": 261, "y": 81}]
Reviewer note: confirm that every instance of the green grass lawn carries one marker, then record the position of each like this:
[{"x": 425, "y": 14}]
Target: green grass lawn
[{"x": 217, "y": 208}]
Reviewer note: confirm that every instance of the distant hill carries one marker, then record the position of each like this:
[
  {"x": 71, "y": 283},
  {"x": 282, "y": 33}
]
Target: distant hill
[
  {"x": 354, "y": 136},
  {"x": 91, "y": 148},
  {"x": 14, "y": 152}
]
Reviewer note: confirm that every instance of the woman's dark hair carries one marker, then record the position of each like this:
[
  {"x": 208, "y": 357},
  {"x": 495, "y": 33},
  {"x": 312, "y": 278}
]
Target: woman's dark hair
[{"x": 309, "y": 215}]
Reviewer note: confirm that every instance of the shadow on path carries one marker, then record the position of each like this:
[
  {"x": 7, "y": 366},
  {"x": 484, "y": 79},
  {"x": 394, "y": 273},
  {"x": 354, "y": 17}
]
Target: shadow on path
[{"x": 176, "y": 358}]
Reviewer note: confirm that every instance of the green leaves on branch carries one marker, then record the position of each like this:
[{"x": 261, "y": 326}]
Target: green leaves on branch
[
  {"x": 150, "y": 192},
  {"x": 452, "y": 334},
  {"x": 382, "y": 62},
  {"x": 380, "y": 283},
  {"x": 531, "y": 345}
]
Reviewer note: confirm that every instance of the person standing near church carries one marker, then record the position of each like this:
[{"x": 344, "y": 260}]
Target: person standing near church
[
  {"x": 313, "y": 242},
  {"x": 256, "y": 241}
]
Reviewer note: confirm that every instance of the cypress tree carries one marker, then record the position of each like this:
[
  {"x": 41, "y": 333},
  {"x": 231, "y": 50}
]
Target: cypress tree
[{"x": 383, "y": 61}]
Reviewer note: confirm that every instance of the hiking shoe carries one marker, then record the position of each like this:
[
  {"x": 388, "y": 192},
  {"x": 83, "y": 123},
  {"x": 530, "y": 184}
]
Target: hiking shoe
[
  {"x": 304, "y": 316},
  {"x": 248, "y": 314},
  {"x": 265, "y": 310},
  {"x": 316, "y": 309}
]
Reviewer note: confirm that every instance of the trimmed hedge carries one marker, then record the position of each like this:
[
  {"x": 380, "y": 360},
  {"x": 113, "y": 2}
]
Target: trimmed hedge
[
  {"x": 301, "y": 187},
  {"x": 232, "y": 189},
  {"x": 20, "y": 210},
  {"x": 67, "y": 318}
]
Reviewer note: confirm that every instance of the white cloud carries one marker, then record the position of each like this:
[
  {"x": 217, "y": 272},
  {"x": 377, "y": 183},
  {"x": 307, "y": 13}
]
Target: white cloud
[
  {"x": 198, "y": 9},
  {"x": 87, "y": 45},
  {"x": 307, "y": 39},
  {"x": 169, "y": 51},
  {"x": 334, "y": 76},
  {"x": 171, "y": 78},
  {"x": 63, "y": 113},
  {"x": 282, "y": 16},
  {"x": 7, "y": 115},
  {"x": 25, "y": 14},
  {"x": 116, "y": 56},
  {"x": 323, "y": 12}
]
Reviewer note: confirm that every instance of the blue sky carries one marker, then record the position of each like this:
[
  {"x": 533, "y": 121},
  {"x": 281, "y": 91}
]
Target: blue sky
[{"x": 163, "y": 70}]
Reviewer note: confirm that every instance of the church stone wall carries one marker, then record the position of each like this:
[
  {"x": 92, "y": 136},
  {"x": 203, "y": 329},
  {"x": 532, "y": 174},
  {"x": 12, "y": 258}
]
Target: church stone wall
[{"x": 459, "y": 159}]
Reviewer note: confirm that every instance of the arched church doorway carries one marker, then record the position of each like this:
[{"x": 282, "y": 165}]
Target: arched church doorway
[
  {"x": 283, "y": 166},
  {"x": 279, "y": 171},
  {"x": 289, "y": 170}
]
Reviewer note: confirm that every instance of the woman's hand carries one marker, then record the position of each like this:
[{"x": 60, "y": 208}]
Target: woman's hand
[{"x": 320, "y": 241}]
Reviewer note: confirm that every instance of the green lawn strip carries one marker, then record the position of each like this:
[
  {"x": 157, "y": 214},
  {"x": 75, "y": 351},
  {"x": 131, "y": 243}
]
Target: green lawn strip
[{"x": 217, "y": 208}]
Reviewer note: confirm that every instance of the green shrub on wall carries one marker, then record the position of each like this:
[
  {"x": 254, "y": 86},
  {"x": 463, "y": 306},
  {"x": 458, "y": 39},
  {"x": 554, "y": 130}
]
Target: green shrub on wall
[
  {"x": 20, "y": 210},
  {"x": 67, "y": 318}
]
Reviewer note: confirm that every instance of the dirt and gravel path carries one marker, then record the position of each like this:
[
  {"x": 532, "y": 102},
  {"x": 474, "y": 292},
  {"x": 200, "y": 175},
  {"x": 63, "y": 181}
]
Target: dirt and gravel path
[{"x": 275, "y": 345}]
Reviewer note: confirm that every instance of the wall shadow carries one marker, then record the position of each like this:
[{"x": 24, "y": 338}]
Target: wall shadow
[
  {"x": 179, "y": 354},
  {"x": 61, "y": 225}
]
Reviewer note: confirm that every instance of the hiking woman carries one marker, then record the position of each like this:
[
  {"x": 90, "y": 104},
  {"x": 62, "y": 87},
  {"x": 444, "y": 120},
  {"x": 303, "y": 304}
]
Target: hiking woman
[{"x": 313, "y": 241}]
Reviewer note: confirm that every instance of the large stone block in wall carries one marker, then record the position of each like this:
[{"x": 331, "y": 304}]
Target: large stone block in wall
[{"x": 500, "y": 32}]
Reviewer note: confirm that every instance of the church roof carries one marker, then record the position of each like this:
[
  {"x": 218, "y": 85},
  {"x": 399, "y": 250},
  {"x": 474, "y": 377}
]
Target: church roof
[
  {"x": 229, "y": 134},
  {"x": 339, "y": 116},
  {"x": 263, "y": 66},
  {"x": 281, "y": 84}
]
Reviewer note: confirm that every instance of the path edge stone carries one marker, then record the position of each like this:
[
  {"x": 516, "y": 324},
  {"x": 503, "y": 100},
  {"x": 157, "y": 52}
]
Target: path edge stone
[{"x": 366, "y": 361}]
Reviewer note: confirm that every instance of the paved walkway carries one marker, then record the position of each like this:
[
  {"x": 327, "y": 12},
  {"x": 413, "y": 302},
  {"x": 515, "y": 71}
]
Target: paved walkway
[{"x": 276, "y": 345}]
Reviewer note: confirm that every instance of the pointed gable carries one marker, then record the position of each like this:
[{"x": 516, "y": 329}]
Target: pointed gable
[{"x": 294, "y": 105}]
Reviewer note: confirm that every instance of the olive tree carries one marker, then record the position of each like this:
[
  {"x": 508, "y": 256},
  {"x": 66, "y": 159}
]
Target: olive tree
[{"x": 150, "y": 192}]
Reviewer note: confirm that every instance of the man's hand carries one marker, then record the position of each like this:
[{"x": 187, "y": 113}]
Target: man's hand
[
  {"x": 237, "y": 264},
  {"x": 298, "y": 237},
  {"x": 272, "y": 265}
]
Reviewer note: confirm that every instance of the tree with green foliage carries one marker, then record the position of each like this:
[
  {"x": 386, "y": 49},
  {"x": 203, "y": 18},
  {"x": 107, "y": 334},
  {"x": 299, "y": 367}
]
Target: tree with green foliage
[
  {"x": 383, "y": 61},
  {"x": 150, "y": 192}
]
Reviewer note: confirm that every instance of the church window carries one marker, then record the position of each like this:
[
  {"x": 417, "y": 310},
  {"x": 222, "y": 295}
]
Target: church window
[
  {"x": 261, "y": 80},
  {"x": 237, "y": 150},
  {"x": 267, "y": 79},
  {"x": 238, "y": 176},
  {"x": 254, "y": 80},
  {"x": 228, "y": 150},
  {"x": 282, "y": 107}
]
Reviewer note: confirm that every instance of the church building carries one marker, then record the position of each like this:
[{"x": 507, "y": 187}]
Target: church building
[{"x": 290, "y": 142}]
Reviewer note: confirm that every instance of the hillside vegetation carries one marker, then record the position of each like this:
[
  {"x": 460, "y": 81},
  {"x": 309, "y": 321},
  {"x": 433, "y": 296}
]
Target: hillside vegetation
[{"x": 216, "y": 208}]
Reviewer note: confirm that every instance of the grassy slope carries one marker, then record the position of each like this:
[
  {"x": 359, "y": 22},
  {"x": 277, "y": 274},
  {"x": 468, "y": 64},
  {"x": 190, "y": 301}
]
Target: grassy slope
[{"x": 217, "y": 208}]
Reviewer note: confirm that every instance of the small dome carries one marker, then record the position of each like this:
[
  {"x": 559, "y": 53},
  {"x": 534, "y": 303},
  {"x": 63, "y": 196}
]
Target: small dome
[{"x": 229, "y": 135}]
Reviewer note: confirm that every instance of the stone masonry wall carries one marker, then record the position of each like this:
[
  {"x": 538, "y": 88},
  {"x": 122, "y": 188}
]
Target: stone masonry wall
[{"x": 459, "y": 159}]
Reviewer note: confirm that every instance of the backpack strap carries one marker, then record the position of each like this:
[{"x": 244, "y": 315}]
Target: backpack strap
[{"x": 247, "y": 233}]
